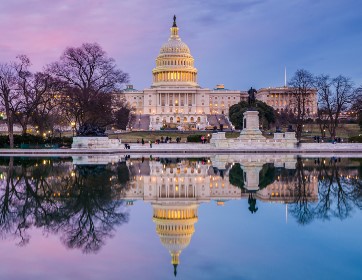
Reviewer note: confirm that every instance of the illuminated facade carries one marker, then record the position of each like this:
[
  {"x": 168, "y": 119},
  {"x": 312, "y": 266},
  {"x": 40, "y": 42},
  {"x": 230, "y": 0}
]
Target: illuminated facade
[
  {"x": 281, "y": 99},
  {"x": 175, "y": 99}
]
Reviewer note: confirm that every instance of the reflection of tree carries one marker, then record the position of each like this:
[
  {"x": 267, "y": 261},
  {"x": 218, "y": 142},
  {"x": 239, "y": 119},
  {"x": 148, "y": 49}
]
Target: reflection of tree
[
  {"x": 301, "y": 208},
  {"x": 236, "y": 176},
  {"x": 336, "y": 191},
  {"x": 266, "y": 175},
  {"x": 339, "y": 192},
  {"x": 81, "y": 204},
  {"x": 7, "y": 201},
  {"x": 91, "y": 211}
]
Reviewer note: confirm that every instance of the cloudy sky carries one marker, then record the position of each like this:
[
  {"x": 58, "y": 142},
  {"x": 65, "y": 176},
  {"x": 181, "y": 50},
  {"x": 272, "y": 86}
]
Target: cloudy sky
[{"x": 240, "y": 43}]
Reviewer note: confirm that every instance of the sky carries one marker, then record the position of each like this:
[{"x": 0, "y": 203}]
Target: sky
[{"x": 239, "y": 43}]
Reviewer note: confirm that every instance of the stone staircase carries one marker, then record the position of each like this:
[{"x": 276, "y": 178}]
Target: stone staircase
[
  {"x": 217, "y": 120},
  {"x": 140, "y": 122}
]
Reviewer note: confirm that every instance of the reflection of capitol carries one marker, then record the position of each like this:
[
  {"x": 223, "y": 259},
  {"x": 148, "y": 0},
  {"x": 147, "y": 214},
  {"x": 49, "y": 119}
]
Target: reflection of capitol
[{"x": 176, "y": 187}]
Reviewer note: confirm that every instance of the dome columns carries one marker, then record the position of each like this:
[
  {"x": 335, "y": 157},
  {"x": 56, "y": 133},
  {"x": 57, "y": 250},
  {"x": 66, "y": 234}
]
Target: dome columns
[{"x": 174, "y": 76}]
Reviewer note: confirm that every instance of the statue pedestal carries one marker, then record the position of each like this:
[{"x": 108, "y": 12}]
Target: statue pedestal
[
  {"x": 95, "y": 143},
  {"x": 219, "y": 140},
  {"x": 251, "y": 131}
]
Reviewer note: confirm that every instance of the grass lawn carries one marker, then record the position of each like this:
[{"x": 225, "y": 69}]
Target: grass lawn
[
  {"x": 132, "y": 137},
  {"x": 344, "y": 131}
]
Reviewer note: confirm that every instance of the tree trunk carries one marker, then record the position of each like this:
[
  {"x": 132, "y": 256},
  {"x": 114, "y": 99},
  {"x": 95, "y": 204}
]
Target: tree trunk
[
  {"x": 24, "y": 128},
  {"x": 10, "y": 123}
]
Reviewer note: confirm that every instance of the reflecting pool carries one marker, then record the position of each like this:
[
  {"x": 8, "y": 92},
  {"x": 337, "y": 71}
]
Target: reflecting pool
[{"x": 219, "y": 217}]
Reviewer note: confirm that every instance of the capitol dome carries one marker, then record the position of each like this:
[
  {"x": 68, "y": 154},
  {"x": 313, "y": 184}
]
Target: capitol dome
[{"x": 174, "y": 64}]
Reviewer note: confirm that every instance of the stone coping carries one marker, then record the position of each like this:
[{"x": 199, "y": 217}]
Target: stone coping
[{"x": 195, "y": 148}]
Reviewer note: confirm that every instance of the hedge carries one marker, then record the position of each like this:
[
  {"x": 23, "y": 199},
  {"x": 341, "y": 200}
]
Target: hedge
[
  {"x": 194, "y": 138},
  {"x": 34, "y": 140},
  {"x": 356, "y": 139}
]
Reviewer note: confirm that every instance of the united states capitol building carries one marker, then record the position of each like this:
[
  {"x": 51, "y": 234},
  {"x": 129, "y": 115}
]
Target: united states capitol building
[{"x": 176, "y": 100}]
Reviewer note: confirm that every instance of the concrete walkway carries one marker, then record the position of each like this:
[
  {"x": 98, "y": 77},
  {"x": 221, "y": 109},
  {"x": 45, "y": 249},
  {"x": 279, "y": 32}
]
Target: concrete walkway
[{"x": 194, "y": 148}]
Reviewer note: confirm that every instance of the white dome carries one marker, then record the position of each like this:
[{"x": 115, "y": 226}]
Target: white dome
[{"x": 174, "y": 46}]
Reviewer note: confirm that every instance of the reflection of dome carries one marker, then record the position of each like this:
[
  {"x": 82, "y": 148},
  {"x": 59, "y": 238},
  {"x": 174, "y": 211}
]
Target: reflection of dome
[
  {"x": 174, "y": 64},
  {"x": 175, "y": 226}
]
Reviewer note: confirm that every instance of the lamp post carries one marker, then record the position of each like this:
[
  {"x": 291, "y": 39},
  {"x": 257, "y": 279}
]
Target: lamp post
[{"x": 73, "y": 127}]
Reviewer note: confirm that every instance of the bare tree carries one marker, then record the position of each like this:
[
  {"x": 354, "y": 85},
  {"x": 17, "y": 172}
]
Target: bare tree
[
  {"x": 89, "y": 77},
  {"x": 9, "y": 98},
  {"x": 335, "y": 96},
  {"x": 34, "y": 92},
  {"x": 301, "y": 91}
]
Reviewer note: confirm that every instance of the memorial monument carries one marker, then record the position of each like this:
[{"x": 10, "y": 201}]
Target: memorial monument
[
  {"x": 251, "y": 136},
  {"x": 91, "y": 136}
]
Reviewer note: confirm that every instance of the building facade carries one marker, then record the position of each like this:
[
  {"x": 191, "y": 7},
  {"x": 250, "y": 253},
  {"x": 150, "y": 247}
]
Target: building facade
[
  {"x": 283, "y": 99},
  {"x": 175, "y": 99}
]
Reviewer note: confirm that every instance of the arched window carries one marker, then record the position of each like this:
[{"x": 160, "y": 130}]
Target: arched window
[
  {"x": 171, "y": 120},
  {"x": 198, "y": 120},
  {"x": 157, "y": 120},
  {"x": 192, "y": 119},
  {"x": 178, "y": 119},
  {"x": 185, "y": 119}
]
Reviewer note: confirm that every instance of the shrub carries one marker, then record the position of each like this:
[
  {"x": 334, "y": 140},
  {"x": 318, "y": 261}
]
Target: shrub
[
  {"x": 356, "y": 139},
  {"x": 194, "y": 138},
  {"x": 34, "y": 140}
]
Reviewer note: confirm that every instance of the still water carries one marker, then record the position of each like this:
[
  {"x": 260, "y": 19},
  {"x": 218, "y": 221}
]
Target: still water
[{"x": 222, "y": 217}]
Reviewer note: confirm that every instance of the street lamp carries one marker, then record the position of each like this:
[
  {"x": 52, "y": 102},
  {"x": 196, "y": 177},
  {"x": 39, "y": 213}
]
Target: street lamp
[{"x": 73, "y": 127}]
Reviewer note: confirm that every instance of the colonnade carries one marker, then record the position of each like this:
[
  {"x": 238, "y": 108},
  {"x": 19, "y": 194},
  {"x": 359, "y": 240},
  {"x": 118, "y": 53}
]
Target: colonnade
[
  {"x": 189, "y": 99},
  {"x": 175, "y": 76}
]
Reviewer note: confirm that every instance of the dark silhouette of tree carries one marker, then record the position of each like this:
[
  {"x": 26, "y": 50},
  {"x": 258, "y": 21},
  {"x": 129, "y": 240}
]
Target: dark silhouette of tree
[
  {"x": 122, "y": 117},
  {"x": 9, "y": 96},
  {"x": 301, "y": 208},
  {"x": 89, "y": 78},
  {"x": 236, "y": 176},
  {"x": 266, "y": 175},
  {"x": 266, "y": 114},
  {"x": 82, "y": 205},
  {"x": 336, "y": 192},
  {"x": 335, "y": 96},
  {"x": 301, "y": 91},
  {"x": 91, "y": 211}
]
